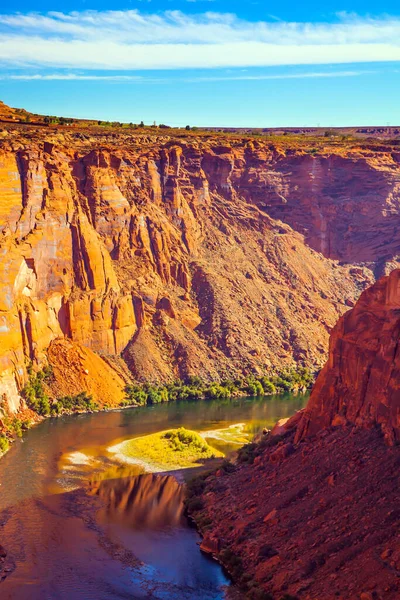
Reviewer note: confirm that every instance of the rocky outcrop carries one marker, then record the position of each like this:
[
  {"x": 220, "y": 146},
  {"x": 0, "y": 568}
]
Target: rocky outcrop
[
  {"x": 185, "y": 255},
  {"x": 314, "y": 512},
  {"x": 77, "y": 369},
  {"x": 360, "y": 382},
  {"x": 344, "y": 203},
  {"x": 320, "y": 522}
]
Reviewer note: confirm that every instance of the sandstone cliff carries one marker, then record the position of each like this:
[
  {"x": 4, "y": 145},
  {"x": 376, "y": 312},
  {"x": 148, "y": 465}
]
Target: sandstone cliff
[
  {"x": 360, "y": 382},
  {"x": 186, "y": 255},
  {"x": 313, "y": 511}
]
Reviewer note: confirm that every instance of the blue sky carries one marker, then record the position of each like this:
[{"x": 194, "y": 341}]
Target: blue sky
[{"x": 204, "y": 62}]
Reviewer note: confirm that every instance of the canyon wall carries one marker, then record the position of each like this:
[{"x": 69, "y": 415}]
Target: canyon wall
[
  {"x": 361, "y": 380},
  {"x": 191, "y": 255},
  {"x": 312, "y": 509}
]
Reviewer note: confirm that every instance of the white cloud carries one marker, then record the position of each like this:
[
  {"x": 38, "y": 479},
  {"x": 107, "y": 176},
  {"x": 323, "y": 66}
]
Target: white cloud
[
  {"x": 310, "y": 75},
  {"x": 70, "y": 77},
  {"x": 139, "y": 79},
  {"x": 172, "y": 40}
]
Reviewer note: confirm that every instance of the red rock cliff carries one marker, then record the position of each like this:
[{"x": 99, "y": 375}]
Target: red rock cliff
[
  {"x": 314, "y": 512},
  {"x": 175, "y": 253},
  {"x": 361, "y": 381}
]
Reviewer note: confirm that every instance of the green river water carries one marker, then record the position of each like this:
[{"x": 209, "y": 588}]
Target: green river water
[{"x": 78, "y": 524}]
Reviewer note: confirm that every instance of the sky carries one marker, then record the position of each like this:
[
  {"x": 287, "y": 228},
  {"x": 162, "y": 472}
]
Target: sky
[{"x": 204, "y": 62}]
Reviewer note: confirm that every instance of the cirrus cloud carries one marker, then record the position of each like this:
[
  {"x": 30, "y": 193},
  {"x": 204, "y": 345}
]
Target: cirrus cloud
[
  {"x": 140, "y": 79},
  {"x": 133, "y": 40}
]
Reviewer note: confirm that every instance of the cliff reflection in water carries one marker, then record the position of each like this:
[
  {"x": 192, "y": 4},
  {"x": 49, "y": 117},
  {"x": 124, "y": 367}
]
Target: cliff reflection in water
[{"x": 146, "y": 501}]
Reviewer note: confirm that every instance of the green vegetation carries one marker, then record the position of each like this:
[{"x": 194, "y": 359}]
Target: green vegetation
[
  {"x": 11, "y": 428},
  {"x": 51, "y": 120},
  {"x": 39, "y": 401},
  {"x": 34, "y": 391},
  {"x": 4, "y": 444},
  {"x": 67, "y": 404},
  {"x": 194, "y": 388},
  {"x": 37, "y": 396},
  {"x": 14, "y": 426},
  {"x": 176, "y": 448}
]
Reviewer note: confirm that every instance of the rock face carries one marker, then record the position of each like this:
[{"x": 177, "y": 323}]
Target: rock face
[
  {"x": 331, "y": 199},
  {"x": 323, "y": 522},
  {"x": 315, "y": 514},
  {"x": 185, "y": 255},
  {"x": 360, "y": 382}
]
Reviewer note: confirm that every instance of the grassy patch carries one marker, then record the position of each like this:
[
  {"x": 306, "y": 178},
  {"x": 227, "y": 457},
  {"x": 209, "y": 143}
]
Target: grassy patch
[{"x": 173, "y": 449}]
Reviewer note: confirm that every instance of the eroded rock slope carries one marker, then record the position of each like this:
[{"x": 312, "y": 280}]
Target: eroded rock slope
[
  {"x": 185, "y": 255},
  {"x": 312, "y": 511}
]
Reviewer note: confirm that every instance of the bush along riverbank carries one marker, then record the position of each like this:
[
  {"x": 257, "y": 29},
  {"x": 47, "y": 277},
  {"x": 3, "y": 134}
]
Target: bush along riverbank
[
  {"x": 42, "y": 402},
  {"x": 291, "y": 381}
]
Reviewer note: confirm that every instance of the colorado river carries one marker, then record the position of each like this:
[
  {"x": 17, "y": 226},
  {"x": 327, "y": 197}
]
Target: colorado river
[{"x": 78, "y": 524}]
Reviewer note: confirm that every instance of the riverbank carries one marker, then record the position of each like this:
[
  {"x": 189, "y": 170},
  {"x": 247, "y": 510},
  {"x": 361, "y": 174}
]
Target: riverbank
[
  {"x": 23, "y": 423},
  {"x": 40, "y": 405}
]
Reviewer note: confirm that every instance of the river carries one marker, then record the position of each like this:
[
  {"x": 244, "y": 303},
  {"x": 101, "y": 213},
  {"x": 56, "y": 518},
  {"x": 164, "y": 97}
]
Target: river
[{"x": 79, "y": 525}]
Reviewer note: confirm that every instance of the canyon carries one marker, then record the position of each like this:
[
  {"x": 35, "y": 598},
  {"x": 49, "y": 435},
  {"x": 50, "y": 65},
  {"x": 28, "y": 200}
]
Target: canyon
[
  {"x": 312, "y": 509},
  {"x": 152, "y": 256}
]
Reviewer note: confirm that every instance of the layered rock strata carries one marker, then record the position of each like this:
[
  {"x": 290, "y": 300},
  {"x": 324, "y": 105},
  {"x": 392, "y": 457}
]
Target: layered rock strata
[{"x": 185, "y": 255}]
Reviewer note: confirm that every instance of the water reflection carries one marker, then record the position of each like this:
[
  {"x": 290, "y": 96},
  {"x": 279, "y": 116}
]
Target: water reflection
[
  {"x": 142, "y": 502},
  {"x": 144, "y": 515},
  {"x": 35, "y": 465}
]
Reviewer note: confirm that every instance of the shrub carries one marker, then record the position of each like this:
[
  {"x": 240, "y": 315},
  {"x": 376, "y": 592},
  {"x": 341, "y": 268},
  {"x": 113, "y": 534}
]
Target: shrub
[
  {"x": 154, "y": 397},
  {"x": 4, "y": 444},
  {"x": 255, "y": 388},
  {"x": 268, "y": 386},
  {"x": 228, "y": 467},
  {"x": 196, "y": 486},
  {"x": 34, "y": 393},
  {"x": 217, "y": 391},
  {"x": 232, "y": 562},
  {"x": 247, "y": 453},
  {"x": 196, "y": 389},
  {"x": 182, "y": 437},
  {"x": 16, "y": 427},
  {"x": 80, "y": 402}
]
